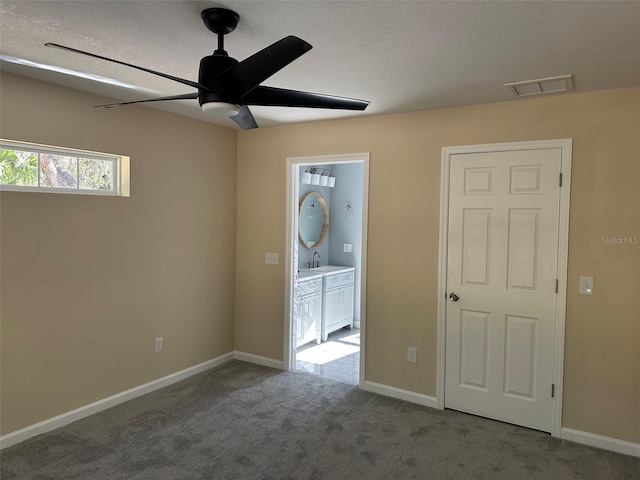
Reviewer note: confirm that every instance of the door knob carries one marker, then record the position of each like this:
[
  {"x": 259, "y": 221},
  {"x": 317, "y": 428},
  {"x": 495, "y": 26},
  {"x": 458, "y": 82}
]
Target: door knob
[{"x": 454, "y": 297}]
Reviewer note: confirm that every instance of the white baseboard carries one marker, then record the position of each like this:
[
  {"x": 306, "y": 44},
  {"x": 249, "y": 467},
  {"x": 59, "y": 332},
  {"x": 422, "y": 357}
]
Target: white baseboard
[
  {"x": 600, "y": 441},
  {"x": 66, "y": 418},
  {"x": 400, "y": 394},
  {"x": 13, "y": 438},
  {"x": 584, "y": 438},
  {"x": 258, "y": 360}
]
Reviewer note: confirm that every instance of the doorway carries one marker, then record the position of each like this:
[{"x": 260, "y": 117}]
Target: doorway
[
  {"x": 503, "y": 256},
  {"x": 320, "y": 336}
]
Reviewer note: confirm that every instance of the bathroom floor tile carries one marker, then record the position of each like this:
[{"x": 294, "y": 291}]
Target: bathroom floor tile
[{"x": 337, "y": 358}]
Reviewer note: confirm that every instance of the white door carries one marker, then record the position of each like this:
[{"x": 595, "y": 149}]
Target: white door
[{"x": 502, "y": 261}]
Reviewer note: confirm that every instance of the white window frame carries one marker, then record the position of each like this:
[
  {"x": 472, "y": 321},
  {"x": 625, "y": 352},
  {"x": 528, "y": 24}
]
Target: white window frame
[{"x": 120, "y": 169}]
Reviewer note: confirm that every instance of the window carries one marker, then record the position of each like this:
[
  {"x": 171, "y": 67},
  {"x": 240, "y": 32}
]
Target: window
[{"x": 29, "y": 167}]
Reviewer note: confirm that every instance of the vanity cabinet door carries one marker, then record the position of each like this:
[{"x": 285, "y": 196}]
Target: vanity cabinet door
[
  {"x": 308, "y": 313},
  {"x": 346, "y": 308},
  {"x": 333, "y": 309},
  {"x": 338, "y": 310},
  {"x": 305, "y": 325},
  {"x": 311, "y": 322},
  {"x": 298, "y": 319}
]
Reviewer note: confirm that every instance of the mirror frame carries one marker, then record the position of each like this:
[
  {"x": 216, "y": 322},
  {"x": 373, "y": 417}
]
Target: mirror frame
[{"x": 325, "y": 224}]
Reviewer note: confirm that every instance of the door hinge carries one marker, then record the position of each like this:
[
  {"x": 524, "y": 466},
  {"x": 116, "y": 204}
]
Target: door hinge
[
  {"x": 553, "y": 390},
  {"x": 556, "y": 285},
  {"x": 560, "y": 179}
]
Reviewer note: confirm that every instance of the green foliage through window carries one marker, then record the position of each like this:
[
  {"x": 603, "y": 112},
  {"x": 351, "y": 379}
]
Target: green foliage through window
[{"x": 18, "y": 168}]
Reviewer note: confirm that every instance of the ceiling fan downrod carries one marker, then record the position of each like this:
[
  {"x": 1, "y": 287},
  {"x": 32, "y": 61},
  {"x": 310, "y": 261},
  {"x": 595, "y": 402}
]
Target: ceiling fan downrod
[
  {"x": 220, "y": 50},
  {"x": 220, "y": 21}
]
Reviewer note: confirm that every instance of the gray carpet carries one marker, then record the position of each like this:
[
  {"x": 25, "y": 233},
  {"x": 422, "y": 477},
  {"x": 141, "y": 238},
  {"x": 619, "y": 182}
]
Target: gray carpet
[{"x": 242, "y": 421}]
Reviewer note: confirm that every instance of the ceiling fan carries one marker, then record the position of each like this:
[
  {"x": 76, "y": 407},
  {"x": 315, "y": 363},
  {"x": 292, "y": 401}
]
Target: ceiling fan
[{"x": 229, "y": 87}]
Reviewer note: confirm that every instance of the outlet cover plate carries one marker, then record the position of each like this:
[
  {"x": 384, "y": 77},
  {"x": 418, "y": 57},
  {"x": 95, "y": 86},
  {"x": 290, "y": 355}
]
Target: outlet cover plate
[
  {"x": 159, "y": 344},
  {"x": 586, "y": 285},
  {"x": 412, "y": 354}
]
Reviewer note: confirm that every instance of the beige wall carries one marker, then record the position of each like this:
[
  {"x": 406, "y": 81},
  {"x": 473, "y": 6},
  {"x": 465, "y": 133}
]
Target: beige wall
[
  {"x": 88, "y": 282},
  {"x": 602, "y": 379}
]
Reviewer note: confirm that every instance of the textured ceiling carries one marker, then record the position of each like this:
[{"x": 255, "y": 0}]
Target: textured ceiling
[{"x": 401, "y": 56}]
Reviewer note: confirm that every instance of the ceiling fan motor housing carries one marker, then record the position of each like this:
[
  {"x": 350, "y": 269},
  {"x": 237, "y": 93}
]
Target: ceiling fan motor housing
[{"x": 210, "y": 67}]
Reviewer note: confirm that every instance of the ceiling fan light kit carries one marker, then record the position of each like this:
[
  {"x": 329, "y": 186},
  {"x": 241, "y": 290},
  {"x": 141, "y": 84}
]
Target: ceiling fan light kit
[
  {"x": 221, "y": 108},
  {"x": 228, "y": 87}
]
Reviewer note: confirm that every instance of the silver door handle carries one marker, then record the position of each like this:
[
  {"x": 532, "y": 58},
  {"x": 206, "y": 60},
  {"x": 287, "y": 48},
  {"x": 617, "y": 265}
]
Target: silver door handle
[{"x": 454, "y": 297}]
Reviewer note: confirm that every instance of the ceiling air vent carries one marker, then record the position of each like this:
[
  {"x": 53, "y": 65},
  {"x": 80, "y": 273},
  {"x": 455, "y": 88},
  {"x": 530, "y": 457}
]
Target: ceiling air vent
[{"x": 542, "y": 86}]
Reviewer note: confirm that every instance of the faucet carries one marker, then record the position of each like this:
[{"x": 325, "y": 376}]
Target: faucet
[{"x": 315, "y": 263}]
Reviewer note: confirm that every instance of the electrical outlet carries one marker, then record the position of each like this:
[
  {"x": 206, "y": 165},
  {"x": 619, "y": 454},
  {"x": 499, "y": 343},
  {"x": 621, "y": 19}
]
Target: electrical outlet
[
  {"x": 347, "y": 248},
  {"x": 412, "y": 354},
  {"x": 271, "y": 258},
  {"x": 159, "y": 344},
  {"x": 586, "y": 285}
]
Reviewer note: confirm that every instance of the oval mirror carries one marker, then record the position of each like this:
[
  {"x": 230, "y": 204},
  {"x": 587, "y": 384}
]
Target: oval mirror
[{"x": 313, "y": 220}]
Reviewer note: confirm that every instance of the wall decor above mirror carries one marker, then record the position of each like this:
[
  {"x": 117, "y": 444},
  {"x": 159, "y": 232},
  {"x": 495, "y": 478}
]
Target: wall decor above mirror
[{"x": 313, "y": 220}]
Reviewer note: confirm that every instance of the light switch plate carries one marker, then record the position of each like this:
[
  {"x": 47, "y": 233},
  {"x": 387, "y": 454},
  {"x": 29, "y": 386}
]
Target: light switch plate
[
  {"x": 347, "y": 248},
  {"x": 271, "y": 258},
  {"x": 586, "y": 285},
  {"x": 412, "y": 354}
]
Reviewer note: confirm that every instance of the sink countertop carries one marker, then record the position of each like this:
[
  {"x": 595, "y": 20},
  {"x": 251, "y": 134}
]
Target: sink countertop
[{"x": 307, "y": 273}]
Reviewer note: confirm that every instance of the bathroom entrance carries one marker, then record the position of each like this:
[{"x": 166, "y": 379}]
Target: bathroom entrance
[{"x": 325, "y": 321}]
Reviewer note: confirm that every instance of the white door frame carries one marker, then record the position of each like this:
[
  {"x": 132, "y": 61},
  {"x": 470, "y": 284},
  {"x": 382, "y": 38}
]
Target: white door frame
[
  {"x": 563, "y": 248},
  {"x": 291, "y": 263}
]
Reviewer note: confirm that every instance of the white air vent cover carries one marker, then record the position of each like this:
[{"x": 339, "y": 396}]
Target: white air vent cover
[{"x": 542, "y": 86}]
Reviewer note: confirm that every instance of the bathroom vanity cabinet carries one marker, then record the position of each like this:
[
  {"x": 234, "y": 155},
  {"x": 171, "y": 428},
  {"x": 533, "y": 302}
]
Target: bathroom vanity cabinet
[
  {"x": 333, "y": 287},
  {"x": 337, "y": 304},
  {"x": 308, "y": 313}
]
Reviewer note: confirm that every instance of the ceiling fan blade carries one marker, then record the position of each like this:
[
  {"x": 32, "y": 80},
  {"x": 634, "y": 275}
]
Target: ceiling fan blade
[
  {"x": 279, "y": 97},
  {"x": 245, "y": 119},
  {"x": 160, "y": 74},
  {"x": 186, "y": 96},
  {"x": 249, "y": 73}
]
